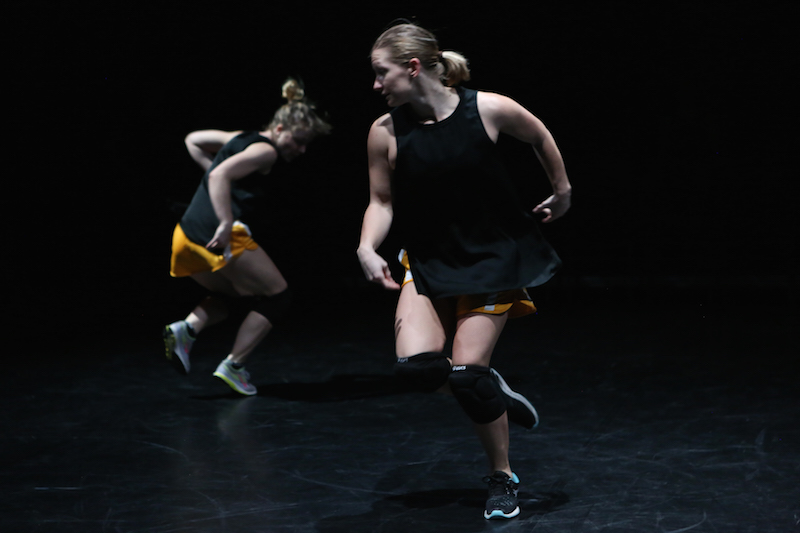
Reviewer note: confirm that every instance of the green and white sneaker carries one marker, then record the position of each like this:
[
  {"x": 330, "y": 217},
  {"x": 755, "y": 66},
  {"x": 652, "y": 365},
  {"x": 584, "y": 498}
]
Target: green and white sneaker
[
  {"x": 237, "y": 379},
  {"x": 178, "y": 342}
]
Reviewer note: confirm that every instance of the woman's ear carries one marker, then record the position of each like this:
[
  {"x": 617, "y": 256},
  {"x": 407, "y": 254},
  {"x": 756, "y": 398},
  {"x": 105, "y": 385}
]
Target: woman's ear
[{"x": 414, "y": 67}]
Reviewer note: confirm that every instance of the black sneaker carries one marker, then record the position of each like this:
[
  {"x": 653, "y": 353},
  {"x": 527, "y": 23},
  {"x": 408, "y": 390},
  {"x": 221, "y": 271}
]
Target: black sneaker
[
  {"x": 502, "y": 502},
  {"x": 519, "y": 409}
]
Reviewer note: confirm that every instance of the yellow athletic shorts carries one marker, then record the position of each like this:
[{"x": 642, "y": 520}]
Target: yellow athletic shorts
[
  {"x": 515, "y": 302},
  {"x": 189, "y": 258}
]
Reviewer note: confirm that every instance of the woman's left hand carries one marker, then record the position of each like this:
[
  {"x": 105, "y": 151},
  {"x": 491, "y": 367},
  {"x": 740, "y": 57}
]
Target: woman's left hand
[{"x": 554, "y": 207}]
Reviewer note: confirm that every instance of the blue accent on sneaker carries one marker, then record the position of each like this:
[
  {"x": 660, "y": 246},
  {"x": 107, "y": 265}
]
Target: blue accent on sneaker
[{"x": 502, "y": 501}]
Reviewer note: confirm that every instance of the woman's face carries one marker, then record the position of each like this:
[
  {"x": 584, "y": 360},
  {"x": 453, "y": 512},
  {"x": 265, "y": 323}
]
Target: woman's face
[
  {"x": 392, "y": 80},
  {"x": 292, "y": 144}
]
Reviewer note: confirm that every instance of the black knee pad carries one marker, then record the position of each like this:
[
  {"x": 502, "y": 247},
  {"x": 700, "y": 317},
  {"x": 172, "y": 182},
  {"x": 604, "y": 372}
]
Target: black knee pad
[
  {"x": 424, "y": 372},
  {"x": 477, "y": 392},
  {"x": 274, "y": 307},
  {"x": 223, "y": 299}
]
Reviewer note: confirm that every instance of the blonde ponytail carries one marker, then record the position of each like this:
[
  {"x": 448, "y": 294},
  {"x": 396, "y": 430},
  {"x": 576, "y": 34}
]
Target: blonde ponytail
[{"x": 456, "y": 68}]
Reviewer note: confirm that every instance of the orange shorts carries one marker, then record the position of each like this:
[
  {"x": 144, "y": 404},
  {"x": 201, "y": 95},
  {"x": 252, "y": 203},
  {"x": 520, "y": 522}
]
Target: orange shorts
[
  {"x": 189, "y": 257},
  {"x": 515, "y": 302}
]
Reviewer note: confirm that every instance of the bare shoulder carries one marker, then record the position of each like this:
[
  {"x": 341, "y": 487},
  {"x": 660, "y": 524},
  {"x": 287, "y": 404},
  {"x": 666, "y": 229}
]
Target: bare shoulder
[
  {"x": 262, "y": 152},
  {"x": 381, "y": 147},
  {"x": 383, "y": 125},
  {"x": 211, "y": 137},
  {"x": 495, "y": 105},
  {"x": 503, "y": 114},
  {"x": 381, "y": 133},
  {"x": 257, "y": 157},
  {"x": 495, "y": 111}
]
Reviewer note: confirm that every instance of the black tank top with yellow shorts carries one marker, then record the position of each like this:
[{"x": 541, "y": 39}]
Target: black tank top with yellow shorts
[
  {"x": 458, "y": 213},
  {"x": 199, "y": 222}
]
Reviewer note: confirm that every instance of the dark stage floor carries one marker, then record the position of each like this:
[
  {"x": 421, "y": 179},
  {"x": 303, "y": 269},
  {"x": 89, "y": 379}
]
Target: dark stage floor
[{"x": 662, "y": 411}]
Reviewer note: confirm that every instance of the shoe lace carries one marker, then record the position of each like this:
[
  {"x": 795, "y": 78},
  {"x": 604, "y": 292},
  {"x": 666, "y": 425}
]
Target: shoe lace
[
  {"x": 240, "y": 372},
  {"x": 498, "y": 486}
]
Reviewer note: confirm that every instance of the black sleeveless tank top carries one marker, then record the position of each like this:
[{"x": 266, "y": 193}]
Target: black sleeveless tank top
[
  {"x": 199, "y": 222},
  {"x": 458, "y": 214}
]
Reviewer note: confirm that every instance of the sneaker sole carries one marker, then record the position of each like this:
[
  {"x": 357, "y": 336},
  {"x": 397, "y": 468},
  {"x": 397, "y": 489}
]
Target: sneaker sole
[
  {"x": 172, "y": 356},
  {"x": 518, "y": 397},
  {"x": 235, "y": 386},
  {"x": 497, "y": 513}
]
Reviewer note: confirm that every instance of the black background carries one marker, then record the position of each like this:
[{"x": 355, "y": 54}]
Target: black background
[
  {"x": 677, "y": 124},
  {"x": 663, "y": 359}
]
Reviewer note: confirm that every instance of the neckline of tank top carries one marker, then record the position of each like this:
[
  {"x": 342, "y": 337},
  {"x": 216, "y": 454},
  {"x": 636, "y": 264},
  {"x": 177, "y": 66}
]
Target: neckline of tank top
[{"x": 445, "y": 120}]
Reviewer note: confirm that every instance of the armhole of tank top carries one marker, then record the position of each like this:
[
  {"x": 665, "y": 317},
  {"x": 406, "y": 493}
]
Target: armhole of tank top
[
  {"x": 483, "y": 124},
  {"x": 261, "y": 139},
  {"x": 393, "y": 116}
]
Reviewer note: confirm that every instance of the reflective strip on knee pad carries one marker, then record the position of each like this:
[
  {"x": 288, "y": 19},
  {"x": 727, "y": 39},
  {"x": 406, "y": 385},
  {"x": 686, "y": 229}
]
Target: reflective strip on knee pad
[
  {"x": 424, "y": 372},
  {"x": 274, "y": 307},
  {"x": 477, "y": 392}
]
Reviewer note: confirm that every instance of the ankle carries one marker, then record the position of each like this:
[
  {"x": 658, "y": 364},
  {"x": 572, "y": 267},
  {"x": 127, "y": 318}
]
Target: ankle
[
  {"x": 193, "y": 326},
  {"x": 506, "y": 470},
  {"x": 238, "y": 364}
]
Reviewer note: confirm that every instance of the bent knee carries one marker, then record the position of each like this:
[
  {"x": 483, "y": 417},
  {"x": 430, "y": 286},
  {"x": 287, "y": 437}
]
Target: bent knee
[
  {"x": 424, "y": 372},
  {"x": 477, "y": 392},
  {"x": 273, "y": 307}
]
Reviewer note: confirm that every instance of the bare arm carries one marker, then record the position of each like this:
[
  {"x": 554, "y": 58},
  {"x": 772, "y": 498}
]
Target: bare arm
[
  {"x": 203, "y": 145},
  {"x": 378, "y": 215},
  {"x": 258, "y": 157},
  {"x": 501, "y": 114}
]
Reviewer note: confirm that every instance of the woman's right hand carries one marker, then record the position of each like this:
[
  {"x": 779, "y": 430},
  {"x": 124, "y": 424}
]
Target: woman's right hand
[
  {"x": 376, "y": 269},
  {"x": 221, "y": 238}
]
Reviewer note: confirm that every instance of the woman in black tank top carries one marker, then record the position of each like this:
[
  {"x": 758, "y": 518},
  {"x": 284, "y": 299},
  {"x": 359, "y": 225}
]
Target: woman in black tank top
[
  {"x": 470, "y": 247},
  {"x": 212, "y": 243}
]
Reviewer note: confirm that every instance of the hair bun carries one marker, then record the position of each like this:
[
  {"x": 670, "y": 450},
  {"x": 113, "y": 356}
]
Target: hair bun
[{"x": 293, "y": 90}]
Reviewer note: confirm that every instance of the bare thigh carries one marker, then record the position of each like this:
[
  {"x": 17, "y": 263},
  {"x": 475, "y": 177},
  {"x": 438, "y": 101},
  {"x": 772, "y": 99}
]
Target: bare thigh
[
  {"x": 475, "y": 338},
  {"x": 214, "y": 282},
  {"x": 251, "y": 274},
  {"x": 254, "y": 274},
  {"x": 420, "y": 325}
]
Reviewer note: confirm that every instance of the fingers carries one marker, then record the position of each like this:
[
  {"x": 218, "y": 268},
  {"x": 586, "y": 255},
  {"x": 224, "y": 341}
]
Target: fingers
[
  {"x": 221, "y": 239},
  {"x": 389, "y": 284},
  {"x": 546, "y": 211},
  {"x": 377, "y": 270},
  {"x": 387, "y": 280},
  {"x": 382, "y": 276},
  {"x": 553, "y": 208},
  {"x": 215, "y": 244}
]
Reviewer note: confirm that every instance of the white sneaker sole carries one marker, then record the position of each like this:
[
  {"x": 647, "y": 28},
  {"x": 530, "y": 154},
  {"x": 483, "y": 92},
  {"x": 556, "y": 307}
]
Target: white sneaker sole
[
  {"x": 500, "y": 514},
  {"x": 234, "y": 385},
  {"x": 517, "y": 396}
]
